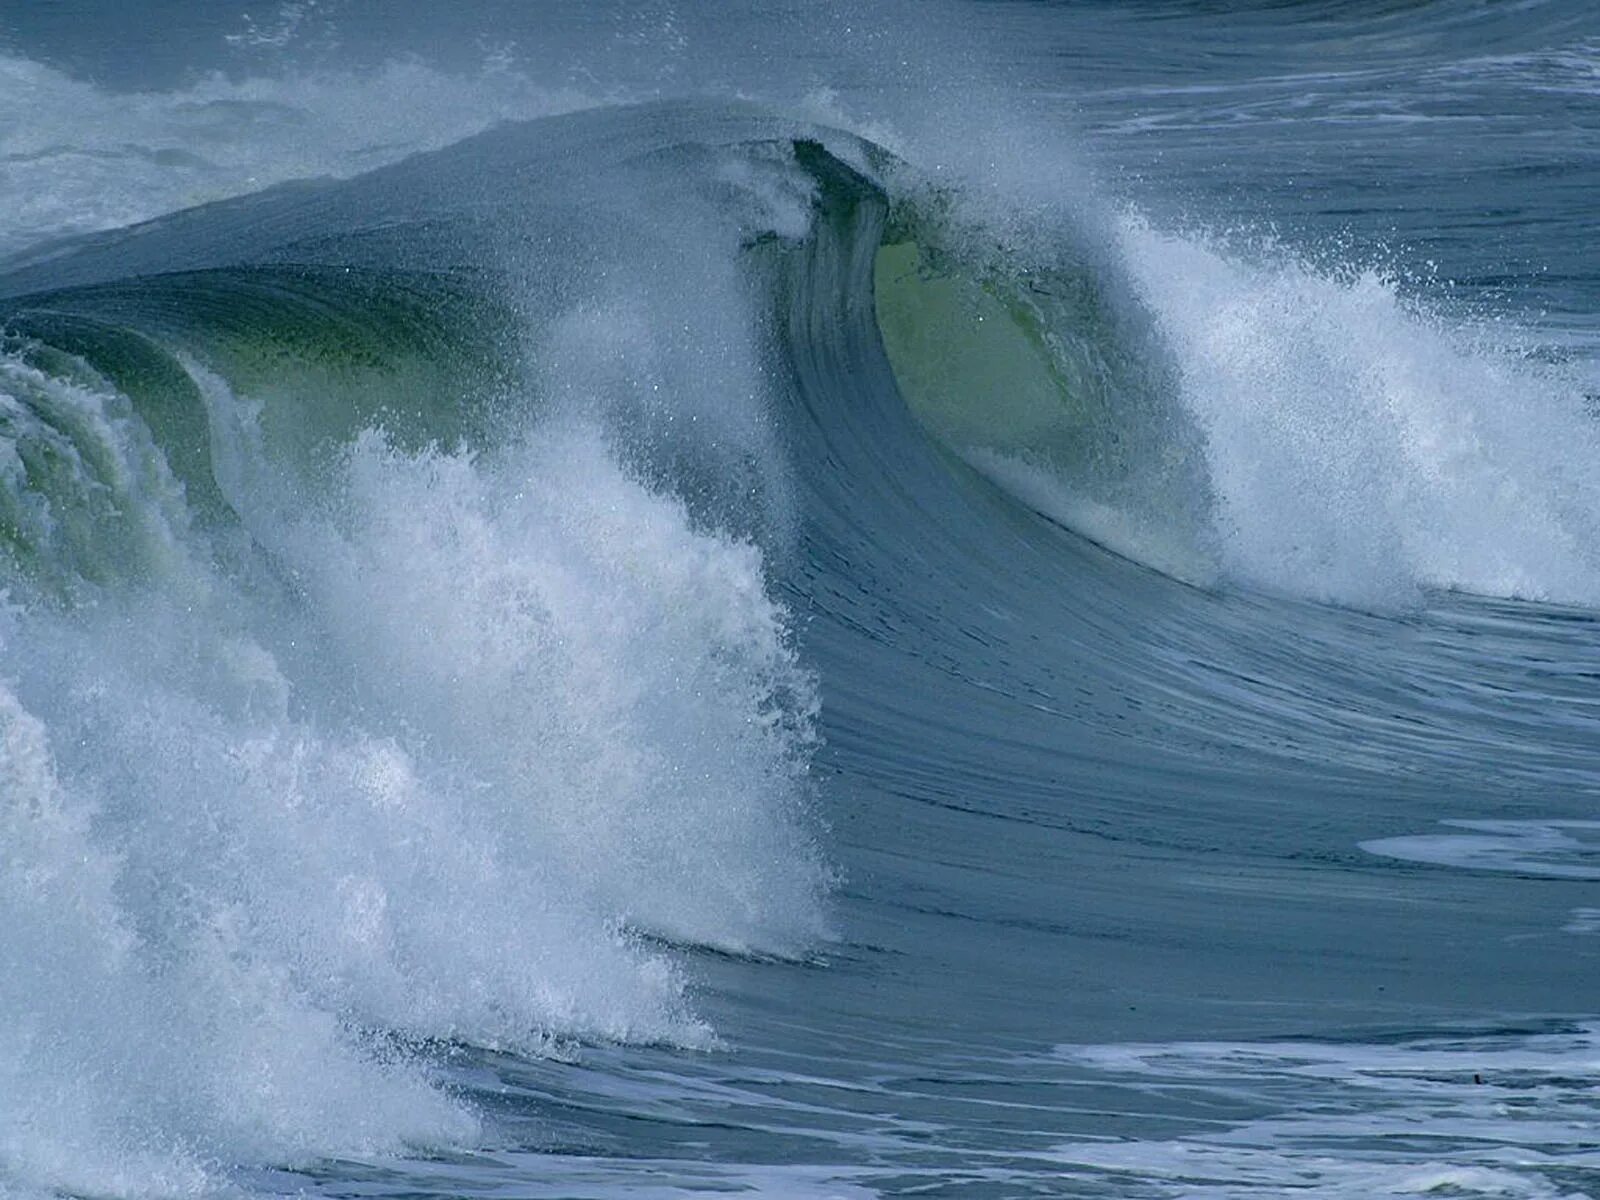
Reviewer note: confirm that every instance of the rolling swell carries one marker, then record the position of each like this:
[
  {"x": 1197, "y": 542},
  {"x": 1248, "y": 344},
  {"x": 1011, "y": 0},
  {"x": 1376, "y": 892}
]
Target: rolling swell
[{"x": 555, "y": 591}]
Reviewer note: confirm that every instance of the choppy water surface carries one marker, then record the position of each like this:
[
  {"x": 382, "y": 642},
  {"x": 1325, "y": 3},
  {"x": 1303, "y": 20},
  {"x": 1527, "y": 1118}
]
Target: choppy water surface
[{"x": 979, "y": 599}]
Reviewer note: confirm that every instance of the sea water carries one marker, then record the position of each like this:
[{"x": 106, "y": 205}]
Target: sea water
[{"x": 820, "y": 600}]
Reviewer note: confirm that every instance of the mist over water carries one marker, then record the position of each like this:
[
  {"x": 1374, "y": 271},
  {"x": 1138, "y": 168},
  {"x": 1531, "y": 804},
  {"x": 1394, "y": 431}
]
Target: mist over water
[{"x": 973, "y": 599}]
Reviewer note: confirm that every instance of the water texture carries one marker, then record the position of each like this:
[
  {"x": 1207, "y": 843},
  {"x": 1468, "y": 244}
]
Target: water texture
[{"x": 972, "y": 599}]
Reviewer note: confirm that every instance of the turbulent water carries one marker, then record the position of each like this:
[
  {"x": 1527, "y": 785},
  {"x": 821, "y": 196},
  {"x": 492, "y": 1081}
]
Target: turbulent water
[{"x": 947, "y": 599}]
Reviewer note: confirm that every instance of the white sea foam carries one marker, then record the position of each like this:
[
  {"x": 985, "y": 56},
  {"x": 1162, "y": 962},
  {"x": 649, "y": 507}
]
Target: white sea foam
[
  {"x": 1359, "y": 449},
  {"x": 510, "y": 712},
  {"x": 1583, "y": 921},
  {"x": 132, "y": 1057},
  {"x": 1561, "y": 849},
  {"x": 1462, "y": 1115}
]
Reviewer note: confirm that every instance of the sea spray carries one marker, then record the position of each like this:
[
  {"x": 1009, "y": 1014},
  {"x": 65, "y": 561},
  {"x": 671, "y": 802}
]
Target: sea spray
[
  {"x": 425, "y": 760},
  {"x": 1360, "y": 448}
]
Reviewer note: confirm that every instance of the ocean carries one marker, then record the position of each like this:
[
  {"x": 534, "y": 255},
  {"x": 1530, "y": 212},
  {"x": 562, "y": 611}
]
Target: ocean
[{"x": 972, "y": 598}]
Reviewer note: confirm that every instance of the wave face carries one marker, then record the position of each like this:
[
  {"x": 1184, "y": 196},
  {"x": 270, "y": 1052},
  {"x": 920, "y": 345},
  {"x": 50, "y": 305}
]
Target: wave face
[{"x": 644, "y": 604}]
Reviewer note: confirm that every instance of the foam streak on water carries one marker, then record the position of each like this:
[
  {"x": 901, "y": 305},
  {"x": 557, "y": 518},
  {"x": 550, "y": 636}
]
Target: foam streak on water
[{"x": 1475, "y": 1114}]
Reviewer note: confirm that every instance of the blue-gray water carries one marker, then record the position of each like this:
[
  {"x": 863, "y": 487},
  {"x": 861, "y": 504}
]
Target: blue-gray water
[{"x": 944, "y": 599}]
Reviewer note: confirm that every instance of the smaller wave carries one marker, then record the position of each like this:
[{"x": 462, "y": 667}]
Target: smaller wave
[
  {"x": 1236, "y": 414},
  {"x": 1217, "y": 415}
]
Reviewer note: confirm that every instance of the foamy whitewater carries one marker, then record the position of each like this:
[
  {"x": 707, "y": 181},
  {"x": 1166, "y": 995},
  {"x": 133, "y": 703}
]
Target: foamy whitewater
[{"x": 962, "y": 599}]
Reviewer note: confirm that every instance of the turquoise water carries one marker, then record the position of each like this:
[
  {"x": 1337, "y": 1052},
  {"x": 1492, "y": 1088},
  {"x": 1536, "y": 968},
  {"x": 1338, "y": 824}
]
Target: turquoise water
[{"x": 988, "y": 599}]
